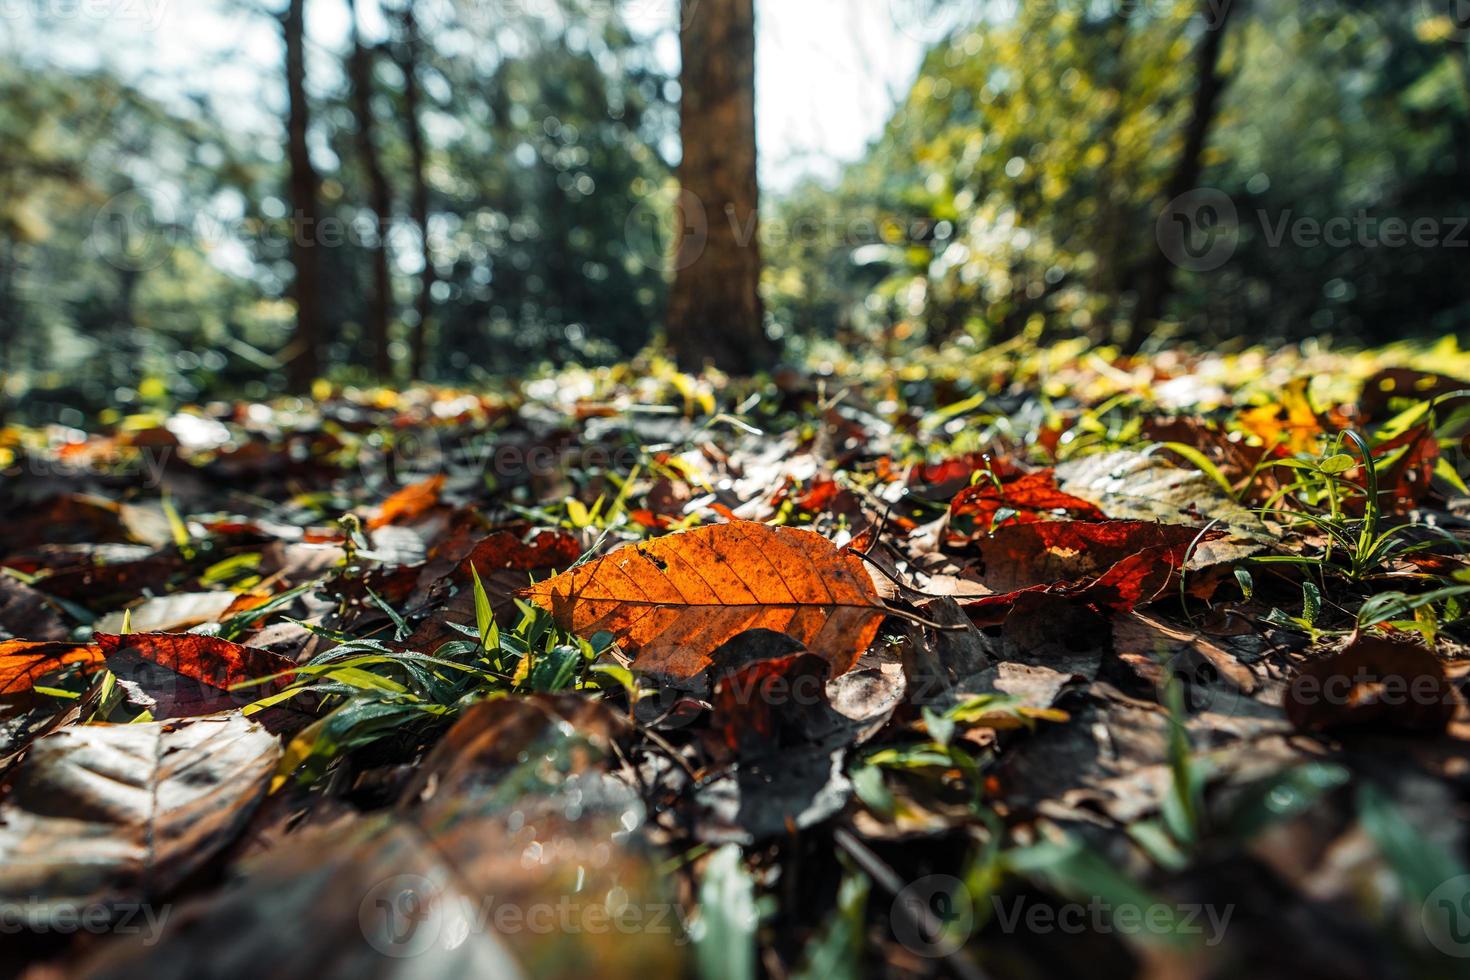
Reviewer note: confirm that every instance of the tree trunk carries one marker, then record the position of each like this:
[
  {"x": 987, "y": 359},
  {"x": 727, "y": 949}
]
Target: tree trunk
[
  {"x": 301, "y": 365},
  {"x": 380, "y": 298},
  {"x": 1107, "y": 279},
  {"x": 1158, "y": 277},
  {"x": 715, "y": 313},
  {"x": 9, "y": 324},
  {"x": 419, "y": 203}
]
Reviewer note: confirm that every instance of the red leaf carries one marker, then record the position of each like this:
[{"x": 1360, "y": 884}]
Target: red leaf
[
  {"x": 547, "y": 550},
  {"x": 1116, "y": 565},
  {"x": 188, "y": 674},
  {"x": 1029, "y": 495},
  {"x": 1406, "y": 481},
  {"x": 764, "y": 678}
]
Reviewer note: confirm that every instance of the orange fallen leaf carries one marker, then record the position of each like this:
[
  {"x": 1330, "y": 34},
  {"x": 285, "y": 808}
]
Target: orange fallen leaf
[
  {"x": 23, "y": 662},
  {"x": 1291, "y": 425},
  {"x": 409, "y": 502},
  {"x": 675, "y": 599}
]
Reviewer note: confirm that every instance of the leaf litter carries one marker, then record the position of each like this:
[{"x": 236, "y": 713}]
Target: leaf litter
[{"x": 730, "y": 699}]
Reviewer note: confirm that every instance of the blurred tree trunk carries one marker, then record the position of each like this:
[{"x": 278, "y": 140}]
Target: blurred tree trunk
[
  {"x": 419, "y": 203},
  {"x": 1158, "y": 276},
  {"x": 380, "y": 299},
  {"x": 9, "y": 322},
  {"x": 301, "y": 368},
  {"x": 1108, "y": 276},
  {"x": 715, "y": 312}
]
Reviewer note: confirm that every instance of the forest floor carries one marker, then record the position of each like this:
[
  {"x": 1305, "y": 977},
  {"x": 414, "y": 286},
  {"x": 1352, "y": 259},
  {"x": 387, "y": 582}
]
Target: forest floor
[{"x": 1013, "y": 662}]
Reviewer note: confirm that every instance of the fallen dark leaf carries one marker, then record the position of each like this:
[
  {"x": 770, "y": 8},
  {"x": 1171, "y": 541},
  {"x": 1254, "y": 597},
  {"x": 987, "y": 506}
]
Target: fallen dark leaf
[
  {"x": 1373, "y": 684},
  {"x": 1140, "y": 487},
  {"x": 516, "y": 855},
  {"x": 764, "y": 684},
  {"x": 26, "y": 611},
  {"x": 1114, "y": 564}
]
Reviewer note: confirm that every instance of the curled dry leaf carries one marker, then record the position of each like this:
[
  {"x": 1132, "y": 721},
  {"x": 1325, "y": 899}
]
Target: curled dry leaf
[
  {"x": 766, "y": 683},
  {"x": 504, "y": 550},
  {"x": 1407, "y": 384},
  {"x": 674, "y": 600},
  {"x": 517, "y": 855},
  {"x": 115, "y": 815},
  {"x": 103, "y": 587},
  {"x": 167, "y": 613},
  {"x": 504, "y": 561},
  {"x": 1153, "y": 649}
]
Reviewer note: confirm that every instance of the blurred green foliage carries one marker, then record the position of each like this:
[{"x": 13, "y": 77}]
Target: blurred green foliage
[
  {"x": 1015, "y": 191},
  {"x": 1020, "y": 184}
]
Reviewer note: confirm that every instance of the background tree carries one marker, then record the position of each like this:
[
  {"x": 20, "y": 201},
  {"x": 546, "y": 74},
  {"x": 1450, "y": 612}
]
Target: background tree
[
  {"x": 1204, "y": 106},
  {"x": 715, "y": 311},
  {"x": 302, "y": 365},
  {"x": 380, "y": 197},
  {"x": 409, "y": 57},
  {"x": 152, "y": 246}
]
